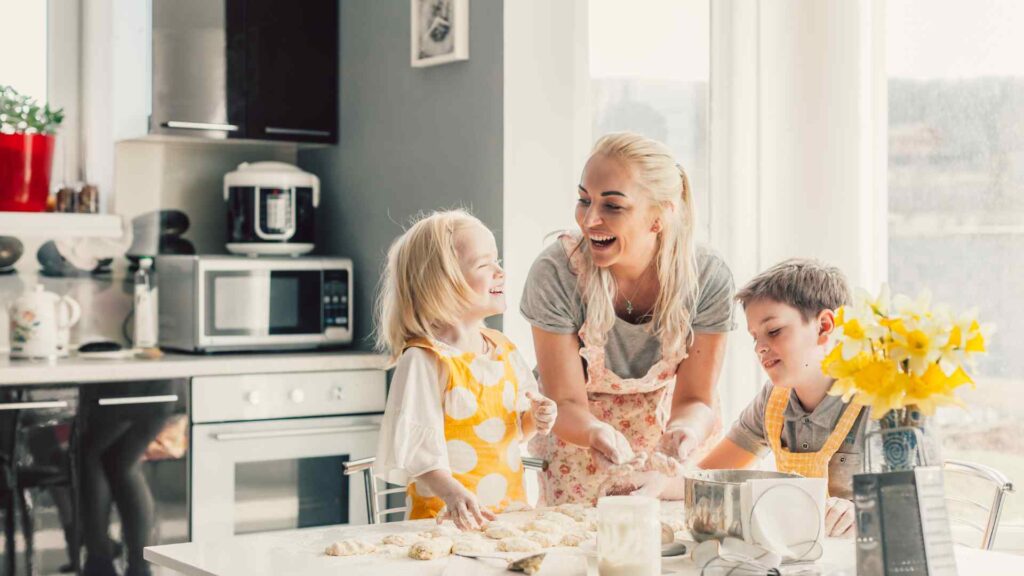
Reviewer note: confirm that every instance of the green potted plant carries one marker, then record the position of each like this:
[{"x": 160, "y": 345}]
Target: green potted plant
[{"x": 26, "y": 151}]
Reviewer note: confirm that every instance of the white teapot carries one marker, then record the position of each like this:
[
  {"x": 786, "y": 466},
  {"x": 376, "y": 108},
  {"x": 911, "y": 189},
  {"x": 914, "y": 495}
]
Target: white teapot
[{"x": 40, "y": 322}]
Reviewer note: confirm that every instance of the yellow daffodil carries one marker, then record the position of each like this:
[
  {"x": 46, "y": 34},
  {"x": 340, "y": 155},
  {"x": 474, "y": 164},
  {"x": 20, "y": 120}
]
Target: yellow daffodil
[{"x": 918, "y": 341}]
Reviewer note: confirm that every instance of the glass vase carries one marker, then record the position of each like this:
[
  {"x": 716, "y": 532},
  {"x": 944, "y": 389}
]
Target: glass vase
[{"x": 901, "y": 442}]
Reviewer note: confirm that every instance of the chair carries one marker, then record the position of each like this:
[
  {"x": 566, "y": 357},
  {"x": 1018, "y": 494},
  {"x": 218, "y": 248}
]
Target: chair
[
  {"x": 962, "y": 481},
  {"x": 374, "y": 512}
]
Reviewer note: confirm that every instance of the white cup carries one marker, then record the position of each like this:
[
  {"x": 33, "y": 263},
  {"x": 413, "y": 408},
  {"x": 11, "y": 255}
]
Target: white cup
[{"x": 628, "y": 536}]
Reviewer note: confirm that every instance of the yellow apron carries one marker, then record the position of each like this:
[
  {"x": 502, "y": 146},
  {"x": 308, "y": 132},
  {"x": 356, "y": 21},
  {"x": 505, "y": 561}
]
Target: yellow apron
[
  {"x": 482, "y": 429},
  {"x": 809, "y": 464}
]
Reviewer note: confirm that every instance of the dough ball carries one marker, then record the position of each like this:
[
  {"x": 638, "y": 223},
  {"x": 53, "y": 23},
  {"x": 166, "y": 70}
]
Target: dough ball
[
  {"x": 518, "y": 544},
  {"x": 430, "y": 549},
  {"x": 349, "y": 548}
]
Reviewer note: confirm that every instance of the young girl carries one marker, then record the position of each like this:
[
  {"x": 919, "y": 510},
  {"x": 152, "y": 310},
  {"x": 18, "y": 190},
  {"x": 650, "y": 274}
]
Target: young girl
[{"x": 462, "y": 398}]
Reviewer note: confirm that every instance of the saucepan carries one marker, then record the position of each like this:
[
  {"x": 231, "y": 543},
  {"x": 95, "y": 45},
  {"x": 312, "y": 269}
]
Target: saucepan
[{"x": 712, "y": 499}]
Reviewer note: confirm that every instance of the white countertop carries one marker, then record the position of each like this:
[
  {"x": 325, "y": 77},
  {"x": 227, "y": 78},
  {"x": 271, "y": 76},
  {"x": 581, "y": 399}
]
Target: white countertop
[
  {"x": 74, "y": 369},
  {"x": 302, "y": 552}
]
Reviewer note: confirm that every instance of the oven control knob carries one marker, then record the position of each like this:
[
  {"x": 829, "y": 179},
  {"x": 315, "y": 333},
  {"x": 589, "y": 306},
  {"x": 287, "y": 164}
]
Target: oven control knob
[
  {"x": 253, "y": 397},
  {"x": 338, "y": 393},
  {"x": 297, "y": 395}
]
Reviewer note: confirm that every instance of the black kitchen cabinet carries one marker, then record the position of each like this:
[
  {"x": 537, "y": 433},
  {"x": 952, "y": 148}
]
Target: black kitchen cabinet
[{"x": 254, "y": 69}]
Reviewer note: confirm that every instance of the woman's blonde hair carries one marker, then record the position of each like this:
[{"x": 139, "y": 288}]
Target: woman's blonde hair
[
  {"x": 422, "y": 288},
  {"x": 665, "y": 183}
]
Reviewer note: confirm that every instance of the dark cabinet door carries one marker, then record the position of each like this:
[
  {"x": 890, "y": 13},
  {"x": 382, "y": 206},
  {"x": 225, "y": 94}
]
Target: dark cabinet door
[{"x": 292, "y": 70}]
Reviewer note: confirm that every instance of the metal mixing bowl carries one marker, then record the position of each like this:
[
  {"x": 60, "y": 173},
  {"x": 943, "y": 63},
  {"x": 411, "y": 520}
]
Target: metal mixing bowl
[{"x": 712, "y": 499}]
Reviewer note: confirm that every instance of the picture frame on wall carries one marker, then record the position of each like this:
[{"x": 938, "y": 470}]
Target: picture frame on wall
[{"x": 439, "y": 32}]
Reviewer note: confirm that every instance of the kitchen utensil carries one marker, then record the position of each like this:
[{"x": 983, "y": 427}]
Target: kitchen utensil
[
  {"x": 712, "y": 501},
  {"x": 526, "y": 564},
  {"x": 40, "y": 322}
]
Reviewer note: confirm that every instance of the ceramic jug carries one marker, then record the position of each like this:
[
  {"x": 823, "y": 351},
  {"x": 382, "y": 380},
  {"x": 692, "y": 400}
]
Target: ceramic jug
[{"x": 39, "y": 319}]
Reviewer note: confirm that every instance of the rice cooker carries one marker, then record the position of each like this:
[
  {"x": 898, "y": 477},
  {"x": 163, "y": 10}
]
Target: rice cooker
[{"x": 271, "y": 209}]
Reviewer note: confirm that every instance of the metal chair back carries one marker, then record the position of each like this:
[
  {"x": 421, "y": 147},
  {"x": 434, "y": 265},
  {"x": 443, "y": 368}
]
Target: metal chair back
[
  {"x": 971, "y": 507},
  {"x": 377, "y": 509}
]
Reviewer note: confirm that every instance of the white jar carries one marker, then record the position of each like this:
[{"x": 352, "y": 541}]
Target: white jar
[{"x": 628, "y": 536}]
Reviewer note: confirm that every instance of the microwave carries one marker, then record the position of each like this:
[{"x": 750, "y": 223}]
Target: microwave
[{"x": 233, "y": 303}]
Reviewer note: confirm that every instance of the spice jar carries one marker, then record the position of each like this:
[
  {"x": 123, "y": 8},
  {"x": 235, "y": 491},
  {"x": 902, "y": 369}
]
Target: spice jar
[
  {"x": 88, "y": 200},
  {"x": 628, "y": 536},
  {"x": 66, "y": 198}
]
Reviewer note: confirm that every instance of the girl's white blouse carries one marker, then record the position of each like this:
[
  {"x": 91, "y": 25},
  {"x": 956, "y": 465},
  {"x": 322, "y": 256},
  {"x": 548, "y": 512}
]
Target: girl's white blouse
[{"x": 412, "y": 439}]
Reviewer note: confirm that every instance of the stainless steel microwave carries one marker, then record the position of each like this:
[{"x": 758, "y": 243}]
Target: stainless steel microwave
[{"x": 224, "y": 303}]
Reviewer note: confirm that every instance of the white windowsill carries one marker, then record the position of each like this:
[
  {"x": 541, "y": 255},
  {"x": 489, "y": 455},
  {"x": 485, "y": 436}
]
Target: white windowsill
[{"x": 58, "y": 225}]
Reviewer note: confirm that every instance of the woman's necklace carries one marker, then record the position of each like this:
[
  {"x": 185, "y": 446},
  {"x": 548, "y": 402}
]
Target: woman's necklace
[{"x": 636, "y": 290}]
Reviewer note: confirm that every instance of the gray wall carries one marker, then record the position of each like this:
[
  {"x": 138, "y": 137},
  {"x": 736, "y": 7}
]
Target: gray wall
[{"x": 411, "y": 139}]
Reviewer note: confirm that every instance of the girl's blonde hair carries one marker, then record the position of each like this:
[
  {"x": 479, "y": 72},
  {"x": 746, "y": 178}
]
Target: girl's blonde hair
[
  {"x": 422, "y": 288},
  {"x": 666, "y": 185}
]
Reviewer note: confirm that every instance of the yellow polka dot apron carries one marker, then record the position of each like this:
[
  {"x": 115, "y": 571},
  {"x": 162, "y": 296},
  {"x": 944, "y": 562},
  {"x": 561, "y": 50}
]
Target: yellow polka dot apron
[
  {"x": 482, "y": 427},
  {"x": 809, "y": 464}
]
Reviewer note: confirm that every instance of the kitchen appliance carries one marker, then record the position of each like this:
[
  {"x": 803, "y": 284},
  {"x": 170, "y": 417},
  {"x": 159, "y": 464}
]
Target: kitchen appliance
[
  {"x": 40, "y": 323},
  {"x": 268, "y": 450},
  {"x": 220, "y": 303},
  {"x": 271, "y": 209},
  {"x": 713, "y": 504}
]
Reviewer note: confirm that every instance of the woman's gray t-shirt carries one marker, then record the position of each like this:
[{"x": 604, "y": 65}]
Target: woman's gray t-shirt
[{"x": 552, "y": 302}]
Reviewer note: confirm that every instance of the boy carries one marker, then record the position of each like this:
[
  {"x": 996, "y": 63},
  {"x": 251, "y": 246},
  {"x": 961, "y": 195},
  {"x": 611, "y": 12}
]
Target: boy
[{"x": 790, "y": 311}]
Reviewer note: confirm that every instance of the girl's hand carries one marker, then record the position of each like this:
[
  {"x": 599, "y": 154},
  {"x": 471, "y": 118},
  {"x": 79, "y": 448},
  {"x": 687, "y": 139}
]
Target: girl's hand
[
  {"x": 544, "y": 411},
  {"x": 463, "y": 508},
  {"x": 839, "y": 518},
  {"x": 608, "y": 446}
]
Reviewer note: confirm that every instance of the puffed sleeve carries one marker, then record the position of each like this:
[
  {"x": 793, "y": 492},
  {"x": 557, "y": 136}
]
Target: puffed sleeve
[{"x": 411, "y": 439}]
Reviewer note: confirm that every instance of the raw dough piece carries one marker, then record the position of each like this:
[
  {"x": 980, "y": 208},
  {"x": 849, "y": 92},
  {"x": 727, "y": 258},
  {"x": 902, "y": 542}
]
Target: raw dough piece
[
  {"x": 473, "y": 546},
  {"x": 667, "y": 534},
  {"x": 575, "y": 511},
  {"x": 544, "y": 525},
  {"x": 349, "y": 548},
  {"x": 500, "y": 530},
  {"x": 545, "y": 539},
  {"x": 574, "y": 539},
  {"x": 430, "y": 549},
  {"x": 563, "y": 521},
  {"x": 403, "y": 539},
  {"x": 518, "y": 544},
  {"x": 517, "y": 506}
]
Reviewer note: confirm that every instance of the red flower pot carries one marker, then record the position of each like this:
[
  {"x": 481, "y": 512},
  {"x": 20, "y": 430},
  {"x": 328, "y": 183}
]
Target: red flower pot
[{"x": 25, "y": 162}]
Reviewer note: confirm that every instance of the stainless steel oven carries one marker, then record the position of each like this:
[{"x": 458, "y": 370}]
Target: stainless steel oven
[
  {"x": 268, "y": 450},
  {"x": 221, "y": 303}
]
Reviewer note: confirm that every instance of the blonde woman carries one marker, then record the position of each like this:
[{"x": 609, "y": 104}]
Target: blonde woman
[
  {"x": 629, "y": 320},
  {"x": 461, "y": 398}
]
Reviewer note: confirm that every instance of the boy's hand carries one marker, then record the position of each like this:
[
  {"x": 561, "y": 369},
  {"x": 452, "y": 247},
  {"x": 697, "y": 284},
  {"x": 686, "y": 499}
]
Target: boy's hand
[
  {"x": 544, "y": 411},
  {"x": 839, "y": 518},
  {"x": 463, "y": 508},
  {"x": 678, "y": 442}
]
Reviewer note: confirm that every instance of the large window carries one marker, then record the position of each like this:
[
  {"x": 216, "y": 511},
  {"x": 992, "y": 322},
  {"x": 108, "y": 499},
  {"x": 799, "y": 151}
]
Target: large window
[
  {"x": 23, "y": 44},
  {"x": 649, "y": 70},
  {"x": 956, "y": 198}
]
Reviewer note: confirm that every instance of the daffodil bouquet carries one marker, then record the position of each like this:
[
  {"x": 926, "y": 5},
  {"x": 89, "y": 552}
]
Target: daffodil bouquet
[{"x": 893, "y": 356}]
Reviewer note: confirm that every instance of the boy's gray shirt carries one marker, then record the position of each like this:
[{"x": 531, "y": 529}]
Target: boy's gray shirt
[{"x": 804, "y": 431}]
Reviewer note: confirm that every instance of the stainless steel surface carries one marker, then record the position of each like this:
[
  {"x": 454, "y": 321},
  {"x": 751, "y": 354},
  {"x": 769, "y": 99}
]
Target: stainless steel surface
[
  {"x": 234, "y": 436},
  {"x": 159, "y": 399},
  {"x": 190, "y": 67},
  {"x": 295, "y": 131},
  {"x": 712, "y": 501},
  {"x": 199, "y": 126}
]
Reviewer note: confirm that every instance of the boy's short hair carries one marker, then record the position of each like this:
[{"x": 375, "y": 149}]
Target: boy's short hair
[{"x": 806, "y": 284}]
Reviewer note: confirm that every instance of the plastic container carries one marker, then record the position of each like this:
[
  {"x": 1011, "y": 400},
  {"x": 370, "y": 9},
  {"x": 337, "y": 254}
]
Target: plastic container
[
  {"x": 25, "y": 162},
  {"x": 628, "y": 536},
  {"x": 145, "y": 334}
]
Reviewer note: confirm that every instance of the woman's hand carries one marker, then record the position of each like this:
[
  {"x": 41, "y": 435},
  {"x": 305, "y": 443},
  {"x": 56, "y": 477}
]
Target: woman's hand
[
  {"x": 608, "y": 446},
  {"x": 544, "y": 411},
  {"x": 678, "y": 442},
  {"x": 840, "y": 518}
]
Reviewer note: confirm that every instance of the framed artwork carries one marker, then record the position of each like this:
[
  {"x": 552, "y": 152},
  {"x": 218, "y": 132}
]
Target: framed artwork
[{"x": 439, "y": 32}]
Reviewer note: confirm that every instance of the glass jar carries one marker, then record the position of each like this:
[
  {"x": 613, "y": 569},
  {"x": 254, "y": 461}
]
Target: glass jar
[{"x": 628, "y": 536}]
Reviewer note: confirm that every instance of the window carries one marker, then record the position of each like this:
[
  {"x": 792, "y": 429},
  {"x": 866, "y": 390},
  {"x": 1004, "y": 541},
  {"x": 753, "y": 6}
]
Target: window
[
  {"x": 956, "y": 207},
  {"x": 23, "y": 47},
  {"x": 649, "y": 71}
]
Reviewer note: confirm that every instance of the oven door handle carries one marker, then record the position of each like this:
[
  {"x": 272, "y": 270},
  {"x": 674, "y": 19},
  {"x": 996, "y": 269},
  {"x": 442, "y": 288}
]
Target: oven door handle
[
  {"x": 229, "y": 436},
  {"x": 37, "y": 405},
  {"x": 125, "y": 400}
]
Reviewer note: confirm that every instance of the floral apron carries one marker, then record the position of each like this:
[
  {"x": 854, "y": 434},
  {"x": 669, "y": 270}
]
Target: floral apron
[
  {"x": 809, "y": 464},
  {"x": 639, "y": 408}
]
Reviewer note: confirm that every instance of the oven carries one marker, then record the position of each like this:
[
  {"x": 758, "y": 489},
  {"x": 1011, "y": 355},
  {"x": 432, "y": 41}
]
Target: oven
[{"x": 268, "y": 450}]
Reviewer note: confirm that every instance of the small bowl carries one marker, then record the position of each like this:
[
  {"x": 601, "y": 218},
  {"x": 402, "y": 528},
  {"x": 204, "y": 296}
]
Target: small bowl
[{"x": 712, "y": 501}]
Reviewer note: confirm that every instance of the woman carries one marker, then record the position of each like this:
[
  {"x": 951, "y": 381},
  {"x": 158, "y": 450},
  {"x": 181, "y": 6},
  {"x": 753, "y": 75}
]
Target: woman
[{"x": 647, "y": 311}]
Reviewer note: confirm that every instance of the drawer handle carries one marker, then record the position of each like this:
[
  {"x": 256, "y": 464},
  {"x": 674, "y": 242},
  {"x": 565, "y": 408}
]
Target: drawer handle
[
  {"x": 229, "y": 436},
  {"x": 34, "y": 405},
  {"x": 296, "y": 131},
  {"x": 200, "y": 126},
  {"x": 166, "y": 398}
]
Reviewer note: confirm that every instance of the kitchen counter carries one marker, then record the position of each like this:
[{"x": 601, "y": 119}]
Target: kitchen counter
[
  {"x": 78, "y": 370},
  {"x": 302, "y": 552}
]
